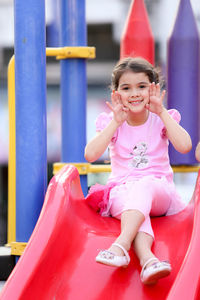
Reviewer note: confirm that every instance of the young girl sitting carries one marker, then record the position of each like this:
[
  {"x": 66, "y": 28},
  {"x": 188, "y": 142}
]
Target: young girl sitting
[{"x": 141, "y": 182}]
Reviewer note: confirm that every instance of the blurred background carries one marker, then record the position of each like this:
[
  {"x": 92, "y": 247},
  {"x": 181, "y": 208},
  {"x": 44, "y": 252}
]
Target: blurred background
[{"x": 105, "y": 23}]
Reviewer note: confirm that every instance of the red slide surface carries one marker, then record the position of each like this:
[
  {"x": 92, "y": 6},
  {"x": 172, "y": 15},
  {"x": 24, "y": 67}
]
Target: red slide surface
[{"x": 59, "y": 260}]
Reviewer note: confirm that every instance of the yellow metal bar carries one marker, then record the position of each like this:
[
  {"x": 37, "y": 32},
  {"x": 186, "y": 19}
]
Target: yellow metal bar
[
  {"x": 71, "y": 52},
  {"x": 85, "y": 168},
  {"x": 11, "y": 156},
  {"x": 100, "y": 168},
  {"x": 185, "y": 169},
  {"x": 17, "y": 248}
]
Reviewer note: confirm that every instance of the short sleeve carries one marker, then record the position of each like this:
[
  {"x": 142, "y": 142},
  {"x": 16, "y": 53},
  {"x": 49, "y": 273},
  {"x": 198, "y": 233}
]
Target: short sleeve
[
  {"x": 102, "y": 121},
  {"x": 175, "y": 115}
]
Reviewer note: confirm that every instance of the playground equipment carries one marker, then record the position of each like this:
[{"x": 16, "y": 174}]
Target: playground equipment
[
  {"x": 30, "y": 117},
  {"x": 137, "y": 37},
  {"x": 58, "y": 261},
  {"x": 30, "y": 160},
  {"x": 59, "y": 53},
  {"x": 183, "y": 77}
]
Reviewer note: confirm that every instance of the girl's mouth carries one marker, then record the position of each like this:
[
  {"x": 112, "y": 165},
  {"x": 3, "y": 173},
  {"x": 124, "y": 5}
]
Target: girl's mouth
[{"x": 135, "y": 102}]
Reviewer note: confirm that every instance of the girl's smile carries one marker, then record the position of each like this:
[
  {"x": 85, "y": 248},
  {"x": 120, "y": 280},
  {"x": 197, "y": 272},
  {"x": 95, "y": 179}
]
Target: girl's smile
[{"x": 135, "y": 102}]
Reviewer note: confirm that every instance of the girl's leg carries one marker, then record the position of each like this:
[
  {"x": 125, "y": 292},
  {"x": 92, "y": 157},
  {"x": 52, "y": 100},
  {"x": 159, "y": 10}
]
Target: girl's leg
[
  {"x": 130, "y": 223},
  {"x": 147, "y": 194},
  {"x": 152, "y": 268},
  {"x": 142, "y": 246}
]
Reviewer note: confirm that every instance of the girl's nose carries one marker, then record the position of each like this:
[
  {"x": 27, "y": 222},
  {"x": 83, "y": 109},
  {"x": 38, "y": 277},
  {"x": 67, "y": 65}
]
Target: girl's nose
[{"x": 134, "y": 93}]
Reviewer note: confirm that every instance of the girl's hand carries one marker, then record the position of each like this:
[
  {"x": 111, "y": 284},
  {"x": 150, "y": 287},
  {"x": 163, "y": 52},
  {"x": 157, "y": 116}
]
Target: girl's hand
[
  {"x": 120, "y": 112},
  {"x": 156, "y": 98}
]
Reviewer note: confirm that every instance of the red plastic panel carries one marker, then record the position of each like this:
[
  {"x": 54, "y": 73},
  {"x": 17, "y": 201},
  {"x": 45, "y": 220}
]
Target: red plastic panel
[{"x": 59, "y": 261}]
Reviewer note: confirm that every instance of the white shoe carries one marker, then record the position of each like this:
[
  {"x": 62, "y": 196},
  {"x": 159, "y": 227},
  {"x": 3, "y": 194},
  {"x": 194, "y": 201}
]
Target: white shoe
[
  {"x": 109, "y": 258},
  {"x": 158, "y": 270}
]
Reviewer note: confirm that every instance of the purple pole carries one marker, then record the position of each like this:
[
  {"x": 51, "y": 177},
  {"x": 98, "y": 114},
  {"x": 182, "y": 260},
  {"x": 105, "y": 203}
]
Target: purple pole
[{"x": 183, "y": 64}]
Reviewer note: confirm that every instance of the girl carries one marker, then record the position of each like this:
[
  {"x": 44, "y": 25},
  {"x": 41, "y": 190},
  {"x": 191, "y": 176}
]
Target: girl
[{"x": 141, "y": 182}]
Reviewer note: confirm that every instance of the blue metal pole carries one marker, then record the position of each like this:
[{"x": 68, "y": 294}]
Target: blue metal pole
[
  {"x": 52, "y": 29},
  {"x": 31, "y": 146},
  {"x": 73, "y": 85}
]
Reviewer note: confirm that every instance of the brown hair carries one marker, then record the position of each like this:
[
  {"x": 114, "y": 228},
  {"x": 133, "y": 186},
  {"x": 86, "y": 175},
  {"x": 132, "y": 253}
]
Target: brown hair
[{"x": 136, "y": 65}]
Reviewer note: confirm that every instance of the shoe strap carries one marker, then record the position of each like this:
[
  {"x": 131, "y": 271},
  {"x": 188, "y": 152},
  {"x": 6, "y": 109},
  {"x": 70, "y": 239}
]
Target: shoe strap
[
  {"x": 148, "y": 261},
  {"x": 124, "y": 250}
]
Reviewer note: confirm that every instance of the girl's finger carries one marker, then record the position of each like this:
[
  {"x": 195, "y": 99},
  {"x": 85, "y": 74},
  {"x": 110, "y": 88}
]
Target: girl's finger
[
  {"x": 163, "y": 95},
  {"x": 113, "y": 97},
  {"x": 117, "y": 97},
  {"x": 157, "y": 90},
  {"x": 109, "y": 105},
  {"x": 151, "y": 89}
]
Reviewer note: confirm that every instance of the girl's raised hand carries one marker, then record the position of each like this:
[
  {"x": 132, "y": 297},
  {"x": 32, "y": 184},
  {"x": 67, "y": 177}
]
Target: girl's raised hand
[
  {"x": 156, "y": 98},
  {"x": 120, "y": 112}
]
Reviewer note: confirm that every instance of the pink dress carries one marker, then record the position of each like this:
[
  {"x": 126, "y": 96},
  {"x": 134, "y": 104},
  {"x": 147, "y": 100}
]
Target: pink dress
[{"x": 141, "y": 176}]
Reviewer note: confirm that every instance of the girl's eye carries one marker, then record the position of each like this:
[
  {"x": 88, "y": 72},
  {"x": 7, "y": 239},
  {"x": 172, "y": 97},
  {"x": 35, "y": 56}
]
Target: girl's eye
[
  {"x": 142, "y": 86},
  {"x": 125, "y": 88}
]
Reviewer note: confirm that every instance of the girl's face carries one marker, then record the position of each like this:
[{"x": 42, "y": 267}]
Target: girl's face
[{"x": 134, "y": 90}]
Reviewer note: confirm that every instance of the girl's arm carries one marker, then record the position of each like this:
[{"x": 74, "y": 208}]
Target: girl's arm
[
  {"x": 197, "y": 152},
  {"x": 97, "y": 146},
  {"x": 177, "y": 135}
]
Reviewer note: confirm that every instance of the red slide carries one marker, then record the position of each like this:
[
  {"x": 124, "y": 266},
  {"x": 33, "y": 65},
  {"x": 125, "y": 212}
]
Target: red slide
[{"x": 59, "y": 260}]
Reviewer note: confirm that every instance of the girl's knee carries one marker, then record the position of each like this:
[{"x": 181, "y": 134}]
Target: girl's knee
[{"x": 134, "y": 213}]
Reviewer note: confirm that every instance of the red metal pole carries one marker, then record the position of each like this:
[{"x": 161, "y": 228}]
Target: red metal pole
[{"x": 137, "y": 38}]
